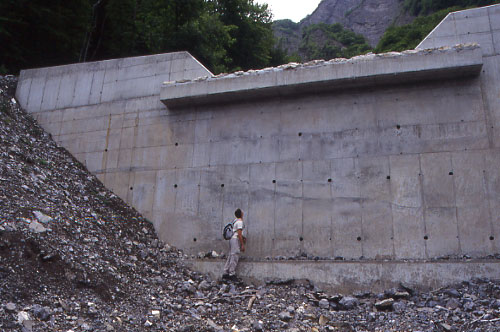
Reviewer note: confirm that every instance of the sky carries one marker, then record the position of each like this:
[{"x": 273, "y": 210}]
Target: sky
[{"x": 292, "y": 9}]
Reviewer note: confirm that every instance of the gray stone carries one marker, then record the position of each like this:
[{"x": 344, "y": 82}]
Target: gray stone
[
  {"x": 401, "y": 295},
  {"x": 10, "y": 307},
  {"x": 324, "y": 304},
  {"x": 349, "y": 303},
  {"x": 452, "y": 292},
  {"x": 42, "y": 313},
  {"x": 258, "y": 325},
  {"x": 445, "y": 327},
  {"x": 36, "y": 227},
  {"x": 204, "y": 285},
  {"x": 188, "y": 287},
  {"x": 385, "y": 304},
  {"x": 399, "y": 307},
  {"x": 285, "y": 316},
  {"x": 469, "y": 306},
  {"x": 453, "y": 304},
  {"x": 43, "y": 218}
]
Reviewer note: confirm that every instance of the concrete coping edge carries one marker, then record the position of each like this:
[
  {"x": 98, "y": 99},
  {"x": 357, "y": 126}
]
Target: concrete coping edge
[{"x": 422, "y": 64}]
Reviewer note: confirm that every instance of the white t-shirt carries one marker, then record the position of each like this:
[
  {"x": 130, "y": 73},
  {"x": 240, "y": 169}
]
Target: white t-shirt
[{"x": 238, "y": 224}]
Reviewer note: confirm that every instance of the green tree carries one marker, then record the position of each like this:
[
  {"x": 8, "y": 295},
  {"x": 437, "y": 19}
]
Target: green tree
[
  {"x": 113, "y": 31},
  {"x": 36, "y": 33},
  {"x": 251, "y": 30},
  {"x": 408, "y": 36},
  {"x": 328, "y": 41},
  {"x": 185, "y": 25},
  {"x": 426, "y": 7}
]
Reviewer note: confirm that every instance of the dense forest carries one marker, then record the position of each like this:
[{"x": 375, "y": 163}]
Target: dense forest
[{"x": 225, "y": 35}]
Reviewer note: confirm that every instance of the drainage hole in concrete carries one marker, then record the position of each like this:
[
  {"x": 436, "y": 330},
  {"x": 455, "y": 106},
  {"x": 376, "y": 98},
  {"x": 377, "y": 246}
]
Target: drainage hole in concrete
[
  {"x": 105, "y": 150},
  {"x": 300, "y": 134},
  {"x": 131, "y": 188},
  {"x": 274, "y": 181},
  {"x": 194, "y": 239},
  {"x": 301, "y": 239},
  {"x": 175, "y": 186},
  {"x": 388, "y": 177},
  {"x": 398, "y": 127},
  {"x": 176, "y": 144},
  {"x": 222, "y": 185},
  {"x": 358, "y": 238},
  {"x": 426, "y": 237},
  {"x": 451, "y": 173},
  {"x": 492, "y": 238},
  {"x": 329, "y": 180}
]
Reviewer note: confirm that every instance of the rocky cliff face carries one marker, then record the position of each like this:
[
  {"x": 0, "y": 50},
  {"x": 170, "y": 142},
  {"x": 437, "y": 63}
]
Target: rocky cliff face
[{"x": 369, "y": 18}]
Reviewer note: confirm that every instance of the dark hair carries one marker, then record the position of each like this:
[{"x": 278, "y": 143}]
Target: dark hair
[{"x": 238, "y": 213}]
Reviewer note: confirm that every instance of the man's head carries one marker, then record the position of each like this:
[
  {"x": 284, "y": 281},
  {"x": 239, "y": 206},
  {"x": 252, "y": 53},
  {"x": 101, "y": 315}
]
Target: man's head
[{"x": 238, "y": 213}]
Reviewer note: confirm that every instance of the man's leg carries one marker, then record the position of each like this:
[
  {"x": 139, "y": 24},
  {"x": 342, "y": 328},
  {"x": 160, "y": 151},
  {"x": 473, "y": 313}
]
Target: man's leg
[
  {"x": 234, "y": 256},
  {"x": 228, "y": 262}
]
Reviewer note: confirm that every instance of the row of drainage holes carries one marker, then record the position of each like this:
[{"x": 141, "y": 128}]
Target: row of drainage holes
[
  {"x": 388, "y": 177},
  {"x": 359, "y": 238},
  {"x": 398, "y": 127},
  {"x": 274, "y": 181},
  {"x": 300, "y": 134}
]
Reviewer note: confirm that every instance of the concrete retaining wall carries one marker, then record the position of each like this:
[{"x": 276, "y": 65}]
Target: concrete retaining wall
[
  {"x": 350, "y": 277},
  {"x": 383, "y": 157}
]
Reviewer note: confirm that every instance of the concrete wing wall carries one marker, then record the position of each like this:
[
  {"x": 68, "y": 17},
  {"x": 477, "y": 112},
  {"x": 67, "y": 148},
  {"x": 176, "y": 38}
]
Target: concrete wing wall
[
  {"x": 482, "y": 26},
  {"x": 107, "y": 115}
]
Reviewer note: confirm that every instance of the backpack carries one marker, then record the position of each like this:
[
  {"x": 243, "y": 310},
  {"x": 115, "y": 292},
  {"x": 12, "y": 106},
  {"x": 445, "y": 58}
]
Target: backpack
[{"x": 228, "y": 232}]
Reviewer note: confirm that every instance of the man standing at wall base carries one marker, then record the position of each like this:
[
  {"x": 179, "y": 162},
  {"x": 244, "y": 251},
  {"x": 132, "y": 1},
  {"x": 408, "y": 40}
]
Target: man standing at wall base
[{"x": 236, "y": 245}]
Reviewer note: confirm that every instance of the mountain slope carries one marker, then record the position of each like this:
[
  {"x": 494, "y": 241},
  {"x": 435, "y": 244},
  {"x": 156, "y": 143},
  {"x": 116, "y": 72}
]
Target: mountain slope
[
  {"x": 366, "y": 18},
  {"x": 369, "y": 18}
]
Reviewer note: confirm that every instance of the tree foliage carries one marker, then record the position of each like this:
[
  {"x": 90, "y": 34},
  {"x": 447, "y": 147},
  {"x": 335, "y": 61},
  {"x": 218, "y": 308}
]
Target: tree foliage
[
  {"x": 426, "y": 7},
  {"x": 408, "y": 36},
  {"x": 37, "y": 33},
  {"x": 222, "y": 34},
  {"x": 327, "y": 41}
]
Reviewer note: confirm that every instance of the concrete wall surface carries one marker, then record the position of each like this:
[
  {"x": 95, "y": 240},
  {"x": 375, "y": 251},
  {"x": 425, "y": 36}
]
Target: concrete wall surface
[
  {"x": 393, "y": 156},
  {"x": 360, "y": 276}
]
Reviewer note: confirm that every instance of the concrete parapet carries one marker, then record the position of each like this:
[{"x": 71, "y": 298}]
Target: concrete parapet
[{"x": 316, "y": 76}]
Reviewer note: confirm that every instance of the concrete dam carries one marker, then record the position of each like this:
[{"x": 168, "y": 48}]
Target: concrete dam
[{"x": 369, "y": 171}]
